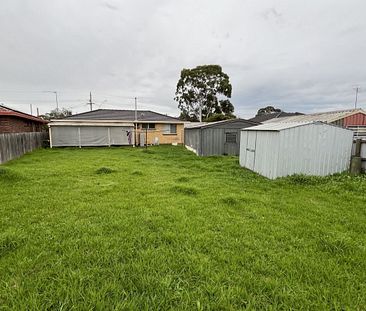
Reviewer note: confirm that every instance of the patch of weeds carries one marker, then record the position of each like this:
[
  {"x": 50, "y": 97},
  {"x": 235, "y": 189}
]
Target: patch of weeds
[
  {"x": 137, "y": 173},
  {"x": 3, "y": 171},
  {"x": 335, "y": 246},
  {"x": 300, "y": 179},
  {"x": 104, "y": 170},
  {"x": 230, "y": 201},
  {"x": 183, "y": 179},
  {"x": 8, "y": 243},
  {"x": 185, "y": 190}
]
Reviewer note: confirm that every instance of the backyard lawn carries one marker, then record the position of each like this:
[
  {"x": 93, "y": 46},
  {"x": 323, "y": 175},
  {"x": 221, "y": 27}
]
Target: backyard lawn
[{"x": 125, "y": 228}]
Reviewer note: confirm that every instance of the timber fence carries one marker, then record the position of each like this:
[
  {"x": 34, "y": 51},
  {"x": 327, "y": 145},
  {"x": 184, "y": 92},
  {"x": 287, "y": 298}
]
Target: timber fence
[{"x": 14, "y": 145}]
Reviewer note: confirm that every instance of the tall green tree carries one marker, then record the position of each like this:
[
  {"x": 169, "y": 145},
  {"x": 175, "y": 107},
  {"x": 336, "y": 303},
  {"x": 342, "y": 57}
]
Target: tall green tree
[{"x": 202, "y": 92}]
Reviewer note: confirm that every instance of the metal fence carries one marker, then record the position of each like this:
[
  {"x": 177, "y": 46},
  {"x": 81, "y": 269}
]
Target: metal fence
[{"x": 14, "y": 145}]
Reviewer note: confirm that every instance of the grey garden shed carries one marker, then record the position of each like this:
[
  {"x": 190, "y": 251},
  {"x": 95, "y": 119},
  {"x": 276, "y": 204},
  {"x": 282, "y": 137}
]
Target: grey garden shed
[{"x": 215, "y": 138}]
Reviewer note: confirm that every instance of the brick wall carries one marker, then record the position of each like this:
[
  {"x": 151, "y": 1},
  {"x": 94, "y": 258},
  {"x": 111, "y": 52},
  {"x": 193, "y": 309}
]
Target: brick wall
[
  {"x": 9, "y": 124},
  {"x": 162, "y": 136}
]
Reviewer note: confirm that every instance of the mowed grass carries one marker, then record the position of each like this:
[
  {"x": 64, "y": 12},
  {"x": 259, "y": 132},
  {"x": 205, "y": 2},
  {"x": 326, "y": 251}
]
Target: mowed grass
[{"x": 124, "y": 228}]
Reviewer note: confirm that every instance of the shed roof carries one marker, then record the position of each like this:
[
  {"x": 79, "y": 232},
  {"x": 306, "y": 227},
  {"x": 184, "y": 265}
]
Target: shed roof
[
  {"x": 279, "y": 126},
  {"x": 328, "y": 117},
  {"x": 6, "y": 111},
  {"x": 213, "y": 124},
  {"x": 123, "y": 115}
]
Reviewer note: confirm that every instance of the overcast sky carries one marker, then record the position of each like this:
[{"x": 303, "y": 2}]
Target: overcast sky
[{"x": 296, "y": 55}]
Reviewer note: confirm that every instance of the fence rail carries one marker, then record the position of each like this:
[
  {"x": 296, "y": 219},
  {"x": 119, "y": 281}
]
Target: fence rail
[{"x": 14, "y": 145}]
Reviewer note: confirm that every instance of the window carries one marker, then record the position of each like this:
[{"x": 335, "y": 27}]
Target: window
[
  {"x": 170, "y": 129},
  {"x": 231, "y": 137},
  {"x": 149, "y": 126},
  {"x": 173, "y": 129}
]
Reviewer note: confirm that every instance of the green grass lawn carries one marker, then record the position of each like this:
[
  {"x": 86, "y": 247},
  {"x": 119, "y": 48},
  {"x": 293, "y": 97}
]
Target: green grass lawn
[{"x": 122, "y": 228}]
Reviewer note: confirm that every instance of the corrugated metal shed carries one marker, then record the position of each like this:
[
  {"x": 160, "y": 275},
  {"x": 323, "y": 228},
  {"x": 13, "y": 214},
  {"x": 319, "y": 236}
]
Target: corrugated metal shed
[
  {"x": 281, "y": 149},
  {"x": 215, "y": 138}
]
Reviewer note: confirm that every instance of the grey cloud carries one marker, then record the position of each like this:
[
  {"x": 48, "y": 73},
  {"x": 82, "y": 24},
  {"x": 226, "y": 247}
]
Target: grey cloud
[{"x": 300, "y": 56}]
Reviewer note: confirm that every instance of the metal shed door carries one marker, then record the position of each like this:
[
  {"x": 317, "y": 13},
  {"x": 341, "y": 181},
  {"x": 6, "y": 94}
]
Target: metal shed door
[{"x": 250, "y": 150}]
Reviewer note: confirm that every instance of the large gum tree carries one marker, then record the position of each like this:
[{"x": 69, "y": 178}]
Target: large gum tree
[{"x": 202, "y": 92}]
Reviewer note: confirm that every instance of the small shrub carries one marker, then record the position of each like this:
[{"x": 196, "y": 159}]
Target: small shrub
[
  {"x": 104, "y": 170},
  {"x": 185, "y": 190}
]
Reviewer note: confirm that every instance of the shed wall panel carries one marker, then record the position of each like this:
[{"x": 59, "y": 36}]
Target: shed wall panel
[
  {"x": 192, "y": 139},
  {"x": 266, "y": 153}
]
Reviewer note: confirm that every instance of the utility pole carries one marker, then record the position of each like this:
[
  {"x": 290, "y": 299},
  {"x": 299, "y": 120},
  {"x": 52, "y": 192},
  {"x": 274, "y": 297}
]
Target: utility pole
[
  {"x": 357, "y": 88},
  {"x": 135, "y": 120},
  {"x": 37, "y": 112},
  {"x": 31, "y": 109},
  {"x": 90, "y": 102}
]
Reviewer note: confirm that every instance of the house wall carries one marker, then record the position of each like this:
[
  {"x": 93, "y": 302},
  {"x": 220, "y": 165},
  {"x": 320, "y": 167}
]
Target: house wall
[
  {"x": 9, "y": 124},
  {"x": 161, "y": 135}
]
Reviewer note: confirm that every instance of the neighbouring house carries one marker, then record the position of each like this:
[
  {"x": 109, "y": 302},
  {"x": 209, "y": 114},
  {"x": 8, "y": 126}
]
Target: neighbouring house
[
  {"x": 215, "y": 138},
  {"x": 260, "y": 118},
  {"x": 353, "y": 119},
  {"x": 281, "y": 149},
  {"x": 108, "y": 127},
  {"x": 14, "y": 121}
]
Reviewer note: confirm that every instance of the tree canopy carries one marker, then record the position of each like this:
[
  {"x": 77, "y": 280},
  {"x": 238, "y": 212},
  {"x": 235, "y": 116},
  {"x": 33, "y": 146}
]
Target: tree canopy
[
  {"x": 267, "y": 110},
  {"x": 57, "y": 114},
  {"x": 206, "y": 88}
]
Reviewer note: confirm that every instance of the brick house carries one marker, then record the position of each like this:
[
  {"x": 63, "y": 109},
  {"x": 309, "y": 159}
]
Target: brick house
[
  {"x": 13, "y": 121},
  {"x": 108, "y": 127}
]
